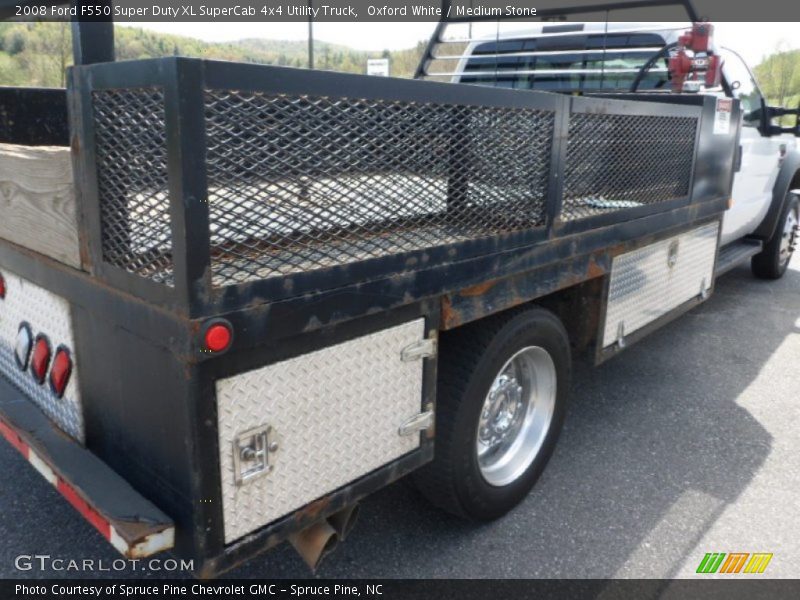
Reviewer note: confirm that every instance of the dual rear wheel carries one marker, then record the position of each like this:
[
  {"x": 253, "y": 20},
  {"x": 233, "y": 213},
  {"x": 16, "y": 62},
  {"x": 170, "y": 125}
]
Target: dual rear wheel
[{"x": 502, "y": 396}]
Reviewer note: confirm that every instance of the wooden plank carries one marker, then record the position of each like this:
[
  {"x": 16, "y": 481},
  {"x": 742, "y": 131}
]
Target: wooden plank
[{"x": 37, "y": 201}]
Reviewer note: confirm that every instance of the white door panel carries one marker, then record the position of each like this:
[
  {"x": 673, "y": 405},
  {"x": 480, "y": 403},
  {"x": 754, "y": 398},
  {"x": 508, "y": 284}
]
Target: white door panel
[{"x": 752, "y": 185}]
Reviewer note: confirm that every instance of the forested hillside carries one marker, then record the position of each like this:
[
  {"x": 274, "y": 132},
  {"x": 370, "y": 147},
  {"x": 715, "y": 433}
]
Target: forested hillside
[
  {"x": 779, "y": 78},
  {"x": 37, "y": 53}
]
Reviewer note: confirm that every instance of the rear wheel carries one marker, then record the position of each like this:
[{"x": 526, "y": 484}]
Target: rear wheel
[
  {"x": 502, "y": 395},
  {"x": 773, "y": 260}
]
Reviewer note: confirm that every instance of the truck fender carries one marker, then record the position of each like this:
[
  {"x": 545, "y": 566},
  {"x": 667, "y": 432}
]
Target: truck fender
[{"x": 788, "y": 179}]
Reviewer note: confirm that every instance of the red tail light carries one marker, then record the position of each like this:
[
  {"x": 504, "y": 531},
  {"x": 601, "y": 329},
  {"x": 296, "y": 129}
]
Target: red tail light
[
  {"x": 218, "y": 336},
  {"x": 59, "y": 374},
  {"x": 41, "y": 358},
  {"x": 2, "y": 287}
]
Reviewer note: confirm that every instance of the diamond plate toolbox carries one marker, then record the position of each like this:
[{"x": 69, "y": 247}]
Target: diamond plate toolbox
[
  {"x": 315, "y": 423},
  {"x": 649, "y": 282},
  {"x": 48, "y": 314}
]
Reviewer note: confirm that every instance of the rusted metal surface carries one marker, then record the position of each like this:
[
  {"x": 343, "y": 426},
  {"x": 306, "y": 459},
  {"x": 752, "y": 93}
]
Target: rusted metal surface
[
  {"x": 579, "y": 308},
  {"x": 478, "y": 290},
  {"x": 314, "y": 543},
  {"x": 344, "y": 520},
  {"x": 274, "y": 534},
  {"x": 494, "y": 296},
  {"x": 312, "y": 512},
  {"x": 131, "y": 523}
]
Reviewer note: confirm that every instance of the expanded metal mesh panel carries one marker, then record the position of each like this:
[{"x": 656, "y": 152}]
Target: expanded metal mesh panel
[
  {"x": 130, "y": 138},
  {"x": 297, "y": 183},
  {"x": 623, "y": 161}
]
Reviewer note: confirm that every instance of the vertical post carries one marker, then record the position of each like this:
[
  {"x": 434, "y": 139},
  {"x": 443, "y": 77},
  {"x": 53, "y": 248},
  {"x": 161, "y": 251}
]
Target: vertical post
[
  {"x": 433, "y": 41},
  {"x": 81, "y": 132},
  {"x": 458, "y": 157},
  {"x": 93, "y": 34},
  {"x": 188, "y": 189},
  {"x": 558, "y": 159},
  {"x": 310, "y": 34}
]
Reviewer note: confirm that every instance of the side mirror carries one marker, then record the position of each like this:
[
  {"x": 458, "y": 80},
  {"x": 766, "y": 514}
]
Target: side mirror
[{"x": 774, "y": 112}]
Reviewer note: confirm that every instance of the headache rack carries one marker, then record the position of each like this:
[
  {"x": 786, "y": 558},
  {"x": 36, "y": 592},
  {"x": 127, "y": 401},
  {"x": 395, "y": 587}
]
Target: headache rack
[
  {"x": 588, "y": 46},
  {"x": 201, "y": 177}
]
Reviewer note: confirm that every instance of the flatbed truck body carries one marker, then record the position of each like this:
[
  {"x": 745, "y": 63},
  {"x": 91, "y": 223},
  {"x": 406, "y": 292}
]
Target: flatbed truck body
[{"x": 253, "y": 272}]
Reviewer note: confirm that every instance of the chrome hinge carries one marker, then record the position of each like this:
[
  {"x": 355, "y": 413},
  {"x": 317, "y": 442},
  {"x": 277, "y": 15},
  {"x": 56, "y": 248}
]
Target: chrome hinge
[
  {"x": 419, "y": 422},
  {"x": 420, "y": 349},
  {"x": 704, "y": 289},
  {"x": 251, "y": 450},
  {"x": 621, "y": 334}
]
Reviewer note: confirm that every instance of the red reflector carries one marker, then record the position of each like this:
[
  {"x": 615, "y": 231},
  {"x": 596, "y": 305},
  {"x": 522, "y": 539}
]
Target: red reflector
[
  {"x": 2, "y": 288},
  {"x": 40, "y": 359},
  {"x": 218, "y": 337},
  {"x": 59, "y": 374}
]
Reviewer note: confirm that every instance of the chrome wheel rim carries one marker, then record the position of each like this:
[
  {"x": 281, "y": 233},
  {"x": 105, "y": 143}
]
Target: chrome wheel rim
[
  {"x": 789, "y": 235},
  {"x": 516, "y": 416}
]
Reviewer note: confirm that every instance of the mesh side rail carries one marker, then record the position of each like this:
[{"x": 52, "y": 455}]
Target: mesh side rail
[
  {"x": 130, "y": 139},
  {"x": 623, "y": 161},
  {"x": 298, "y": 183}
]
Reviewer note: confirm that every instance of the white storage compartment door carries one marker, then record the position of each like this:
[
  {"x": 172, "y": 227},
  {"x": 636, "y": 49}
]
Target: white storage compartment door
[
  {"x": 649, "y": 282},
  {"x": 294, "y": 431}
]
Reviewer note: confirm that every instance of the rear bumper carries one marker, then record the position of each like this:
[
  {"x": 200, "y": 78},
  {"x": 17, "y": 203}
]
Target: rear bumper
[{"x": 131, "y": 523}]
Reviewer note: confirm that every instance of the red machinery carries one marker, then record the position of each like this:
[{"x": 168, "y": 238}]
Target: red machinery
[{"x": 694, "y": 64}]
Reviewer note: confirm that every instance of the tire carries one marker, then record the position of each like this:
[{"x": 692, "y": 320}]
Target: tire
[
  {"x": 773, "y": 260},
  {"x": 470, "y": 365}
]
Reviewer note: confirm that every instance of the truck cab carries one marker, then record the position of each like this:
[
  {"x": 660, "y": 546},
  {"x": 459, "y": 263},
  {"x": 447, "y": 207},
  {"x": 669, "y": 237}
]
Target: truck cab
[{"x": 623, "y": 58}]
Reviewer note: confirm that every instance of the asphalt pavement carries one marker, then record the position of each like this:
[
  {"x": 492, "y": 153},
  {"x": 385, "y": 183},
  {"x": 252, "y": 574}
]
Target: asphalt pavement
[{"x": 687, "y": 443}]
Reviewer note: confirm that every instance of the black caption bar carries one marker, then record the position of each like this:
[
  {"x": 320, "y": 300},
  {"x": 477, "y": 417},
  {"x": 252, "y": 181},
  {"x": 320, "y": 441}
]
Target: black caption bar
[
  {"x": 576, "y": 589},
  {"x": 400, "y": 10}
]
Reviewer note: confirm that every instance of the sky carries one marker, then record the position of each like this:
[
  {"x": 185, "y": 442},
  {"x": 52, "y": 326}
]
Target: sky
[{"x": 751, "y": 40}]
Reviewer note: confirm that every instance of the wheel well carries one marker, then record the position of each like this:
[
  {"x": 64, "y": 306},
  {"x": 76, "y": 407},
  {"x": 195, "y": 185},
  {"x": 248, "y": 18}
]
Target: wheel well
[
  {"x": 578, "y": 307},
  {"x": 794, "y": 184}
]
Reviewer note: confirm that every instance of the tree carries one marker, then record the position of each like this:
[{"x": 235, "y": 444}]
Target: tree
[{"x": 779, "y": 74}]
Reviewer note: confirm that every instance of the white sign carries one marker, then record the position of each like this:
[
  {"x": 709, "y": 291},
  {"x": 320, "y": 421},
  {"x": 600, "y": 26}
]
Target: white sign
[
  {"x": 378, "y": 66},
  {"x": 722, "y": 118}
]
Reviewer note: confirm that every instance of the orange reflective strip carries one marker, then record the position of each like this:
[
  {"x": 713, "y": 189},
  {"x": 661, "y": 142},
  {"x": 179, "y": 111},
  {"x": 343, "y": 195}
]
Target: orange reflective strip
[{"x": 14, "y": 439}]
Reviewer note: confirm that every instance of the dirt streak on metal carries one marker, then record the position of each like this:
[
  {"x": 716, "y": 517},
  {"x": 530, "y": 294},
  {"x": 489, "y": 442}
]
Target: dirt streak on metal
[{"x": 471, "y": 303}]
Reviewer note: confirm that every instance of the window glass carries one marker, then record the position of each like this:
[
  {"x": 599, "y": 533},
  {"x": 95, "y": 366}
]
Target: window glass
[
  {"x": 743, "y": 85},
  {"x": 571, "y": 63}
]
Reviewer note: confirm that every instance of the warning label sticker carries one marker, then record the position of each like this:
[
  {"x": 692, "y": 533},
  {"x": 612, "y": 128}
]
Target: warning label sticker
[{"x": 722, "y": 116}]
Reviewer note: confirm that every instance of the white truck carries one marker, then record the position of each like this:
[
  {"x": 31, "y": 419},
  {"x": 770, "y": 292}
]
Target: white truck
[
  {"x": 235, "y": 299},
  {"x": 607, "y": 58}
]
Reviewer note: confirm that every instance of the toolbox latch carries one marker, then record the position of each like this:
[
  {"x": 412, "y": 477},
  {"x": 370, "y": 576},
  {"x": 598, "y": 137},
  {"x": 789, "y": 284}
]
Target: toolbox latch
[
  {"x": 251, "y": 450},
  {"x": 421, "y": 349}
]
